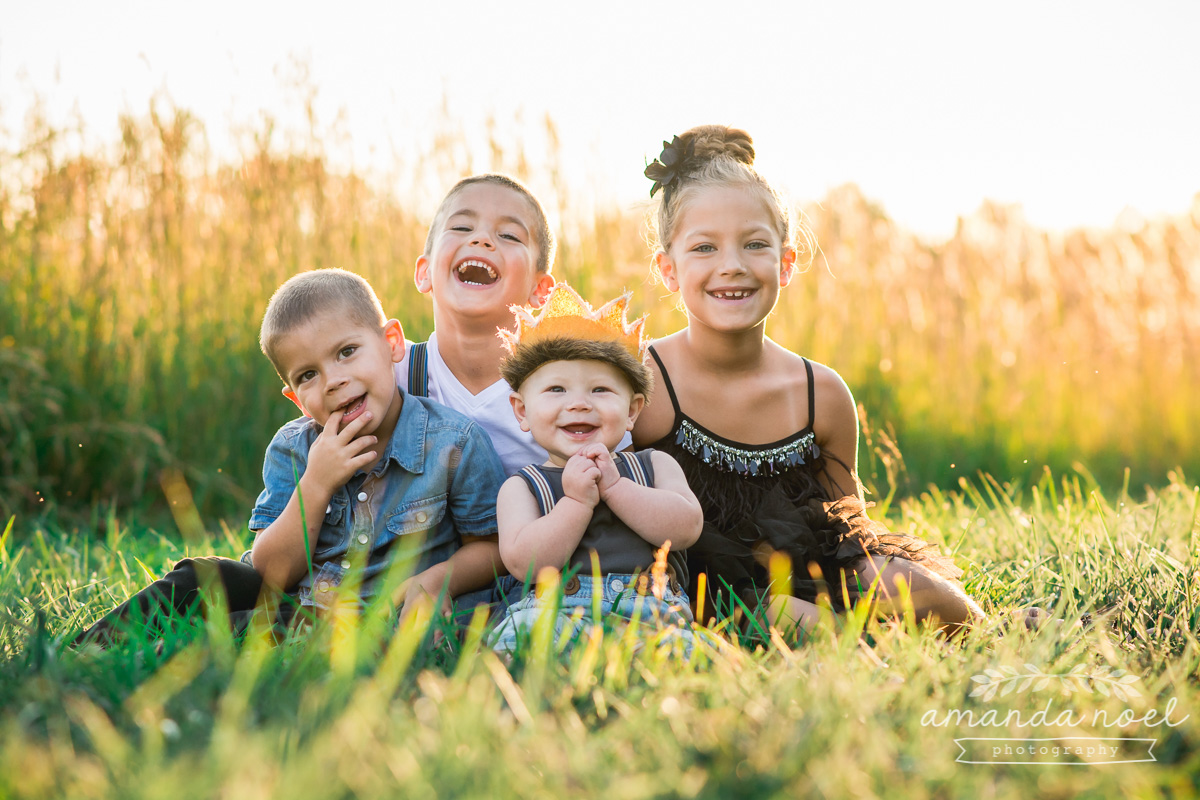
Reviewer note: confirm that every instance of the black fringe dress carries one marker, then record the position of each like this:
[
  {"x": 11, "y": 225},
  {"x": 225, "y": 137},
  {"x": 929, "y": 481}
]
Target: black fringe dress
[{"x": 770, "y": 494}]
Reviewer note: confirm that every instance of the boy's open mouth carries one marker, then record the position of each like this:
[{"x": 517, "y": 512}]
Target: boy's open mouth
[
  {"x": 352, "y": 409},
  {"x": 580, "y": 429},
  {"x": 476, "y": 273}
]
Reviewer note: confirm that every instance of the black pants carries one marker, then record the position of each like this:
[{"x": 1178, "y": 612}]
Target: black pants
[{"x": 179, "y": 593}]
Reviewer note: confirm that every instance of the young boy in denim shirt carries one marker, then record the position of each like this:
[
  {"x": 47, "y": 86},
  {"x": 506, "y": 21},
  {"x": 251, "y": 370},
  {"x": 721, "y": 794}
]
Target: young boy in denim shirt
[{"x": 377, "y": 470}]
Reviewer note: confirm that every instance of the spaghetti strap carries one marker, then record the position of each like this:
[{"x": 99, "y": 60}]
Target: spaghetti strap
[
  {"x": 671, "y": 389},
  {"x": 812, "y": 394}
]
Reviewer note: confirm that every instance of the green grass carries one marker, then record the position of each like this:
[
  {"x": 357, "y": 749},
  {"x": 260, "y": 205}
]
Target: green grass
[{"x": 335, "y": 713}]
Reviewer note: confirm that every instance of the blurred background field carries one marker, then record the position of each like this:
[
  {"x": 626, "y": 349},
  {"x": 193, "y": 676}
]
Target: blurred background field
[{"x": 133, "y": 275}]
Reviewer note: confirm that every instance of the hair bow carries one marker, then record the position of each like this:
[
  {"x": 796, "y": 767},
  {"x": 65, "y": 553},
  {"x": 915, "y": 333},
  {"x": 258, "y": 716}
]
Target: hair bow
[{"x": 667, "y": 169}]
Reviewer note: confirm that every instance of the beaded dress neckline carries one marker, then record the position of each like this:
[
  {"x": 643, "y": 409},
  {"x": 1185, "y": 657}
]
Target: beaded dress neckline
[{"x": 727, "y": 455}]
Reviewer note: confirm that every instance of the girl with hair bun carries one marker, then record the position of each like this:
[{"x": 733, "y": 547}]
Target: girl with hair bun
[{"x": 768, "y": 439}]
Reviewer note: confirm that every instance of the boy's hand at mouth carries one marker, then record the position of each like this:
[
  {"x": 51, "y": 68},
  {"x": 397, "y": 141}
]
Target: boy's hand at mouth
[{"x": 336, "y": 454}]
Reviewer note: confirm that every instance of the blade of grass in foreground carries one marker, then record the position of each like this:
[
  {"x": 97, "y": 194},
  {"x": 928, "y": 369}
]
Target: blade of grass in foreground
[
  {"x": 303, "y": 521},
  {"x": 4, "y": 537}
]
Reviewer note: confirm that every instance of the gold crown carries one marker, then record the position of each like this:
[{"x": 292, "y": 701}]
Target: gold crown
[{"x": 567, "y": 315}]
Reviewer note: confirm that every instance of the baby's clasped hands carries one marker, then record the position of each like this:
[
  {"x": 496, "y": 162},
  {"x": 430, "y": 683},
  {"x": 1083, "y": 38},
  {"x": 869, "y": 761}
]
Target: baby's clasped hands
[
  {"x": 606, "y": 467},
  {"x": 581, "y": 480}
]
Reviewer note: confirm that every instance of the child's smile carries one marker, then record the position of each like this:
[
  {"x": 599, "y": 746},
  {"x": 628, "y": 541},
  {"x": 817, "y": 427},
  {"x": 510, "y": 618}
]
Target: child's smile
[
  {"x": 568, "y": 405},
  {"x": 476, "y": 271},
  {"x": 485, "y": 253},
  {"x": 582, "y": 430},
  {"x": 731, "y": 294}
]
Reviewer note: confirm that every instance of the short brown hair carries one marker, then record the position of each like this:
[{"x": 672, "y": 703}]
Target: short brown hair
[
  {"x": 525, "y": 359},
  {"x": 542, "y": 233},
  {"x": 308, "y": 294}
]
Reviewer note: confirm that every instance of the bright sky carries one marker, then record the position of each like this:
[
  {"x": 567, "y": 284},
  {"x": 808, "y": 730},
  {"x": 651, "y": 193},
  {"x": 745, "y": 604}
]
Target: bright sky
[{"x": 1073, "y": 109}]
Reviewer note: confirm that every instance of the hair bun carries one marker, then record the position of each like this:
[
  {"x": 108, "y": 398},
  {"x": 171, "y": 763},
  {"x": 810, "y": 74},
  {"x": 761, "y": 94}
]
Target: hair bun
[{"x": 714, "y": 141}]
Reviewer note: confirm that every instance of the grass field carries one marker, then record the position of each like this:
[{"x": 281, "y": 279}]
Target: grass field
[
  {"x": 860, "y": 710},
  {"x": 133, "y": 275}
]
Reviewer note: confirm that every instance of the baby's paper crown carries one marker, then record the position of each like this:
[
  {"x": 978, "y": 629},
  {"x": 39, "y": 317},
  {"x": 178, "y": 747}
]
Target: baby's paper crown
[{"x": 567, "y": 315}]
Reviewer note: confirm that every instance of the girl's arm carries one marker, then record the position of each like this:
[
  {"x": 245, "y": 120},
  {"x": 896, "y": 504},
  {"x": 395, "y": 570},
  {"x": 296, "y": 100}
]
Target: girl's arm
[
  {"x": 836, "y": 429},
  {"x": 529, "y": 540},
  {"x": 666, "y": 511}
]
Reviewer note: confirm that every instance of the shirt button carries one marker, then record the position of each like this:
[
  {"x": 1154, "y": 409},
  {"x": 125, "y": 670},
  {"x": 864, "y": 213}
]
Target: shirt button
[
  {"x": 362, "y": 538},
  {"x": 617, "y": 586},
  {"x": 323, "y": 586},
  {"x": 345, "y": 563},
  {"x": 362, "y": 497},
  {"x": 329, "y": 509},
  {"x": 422, "y": 516}
]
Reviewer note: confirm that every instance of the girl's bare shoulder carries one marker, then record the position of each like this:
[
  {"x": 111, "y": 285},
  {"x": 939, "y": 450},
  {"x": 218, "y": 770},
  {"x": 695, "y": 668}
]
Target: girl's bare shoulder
[
  {"x": 832, "y": 398},
  {"x": 666, "y": 346},
  {"x": 826, "y": 378}
]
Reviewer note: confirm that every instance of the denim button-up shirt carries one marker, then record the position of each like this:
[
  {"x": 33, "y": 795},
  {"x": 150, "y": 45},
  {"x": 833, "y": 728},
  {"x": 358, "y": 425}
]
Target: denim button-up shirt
[{"x": 437, "y": 481}]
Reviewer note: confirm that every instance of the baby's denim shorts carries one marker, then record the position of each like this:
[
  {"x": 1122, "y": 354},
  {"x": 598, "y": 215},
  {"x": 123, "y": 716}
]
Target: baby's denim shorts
[{"x": 620, "y": 604}]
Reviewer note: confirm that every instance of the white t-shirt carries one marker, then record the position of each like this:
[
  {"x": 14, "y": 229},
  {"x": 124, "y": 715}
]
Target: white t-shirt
[{"x": 490, "y": 408}]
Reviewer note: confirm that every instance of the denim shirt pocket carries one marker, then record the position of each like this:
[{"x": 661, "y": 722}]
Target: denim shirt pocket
[
  {"x": 418, "y": 515},
  {"x": 422, "y": 517},
  {"x": 333, "y": 532}
]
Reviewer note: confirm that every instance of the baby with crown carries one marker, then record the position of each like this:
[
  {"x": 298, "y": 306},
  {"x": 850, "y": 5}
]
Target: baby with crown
[{"x": 610, "y": 527}]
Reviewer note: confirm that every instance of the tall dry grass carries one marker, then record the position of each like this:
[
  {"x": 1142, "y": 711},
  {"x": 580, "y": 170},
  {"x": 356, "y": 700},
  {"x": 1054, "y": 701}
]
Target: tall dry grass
[
  {"x": 134, "y": 274},
  {"x": 1007, "y": 348}
]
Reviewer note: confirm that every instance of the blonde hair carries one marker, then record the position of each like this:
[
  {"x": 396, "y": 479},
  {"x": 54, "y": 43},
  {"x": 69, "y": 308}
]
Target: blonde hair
[
  {"x": 309, "y": 294},
  {"x": 717, "y": 155},
  {"x": 542, "y": 233}
]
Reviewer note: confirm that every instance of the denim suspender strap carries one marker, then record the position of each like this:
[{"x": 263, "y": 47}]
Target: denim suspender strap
[
  {"x": 418, "y": 372},
  {"x": 633, "y": 466},
  {"x": 540, "y": 487}
]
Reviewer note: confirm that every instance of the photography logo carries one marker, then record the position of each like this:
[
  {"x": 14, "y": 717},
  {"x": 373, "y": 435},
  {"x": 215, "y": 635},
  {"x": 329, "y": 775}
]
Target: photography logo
[{"x": 1084, "y": 741}]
